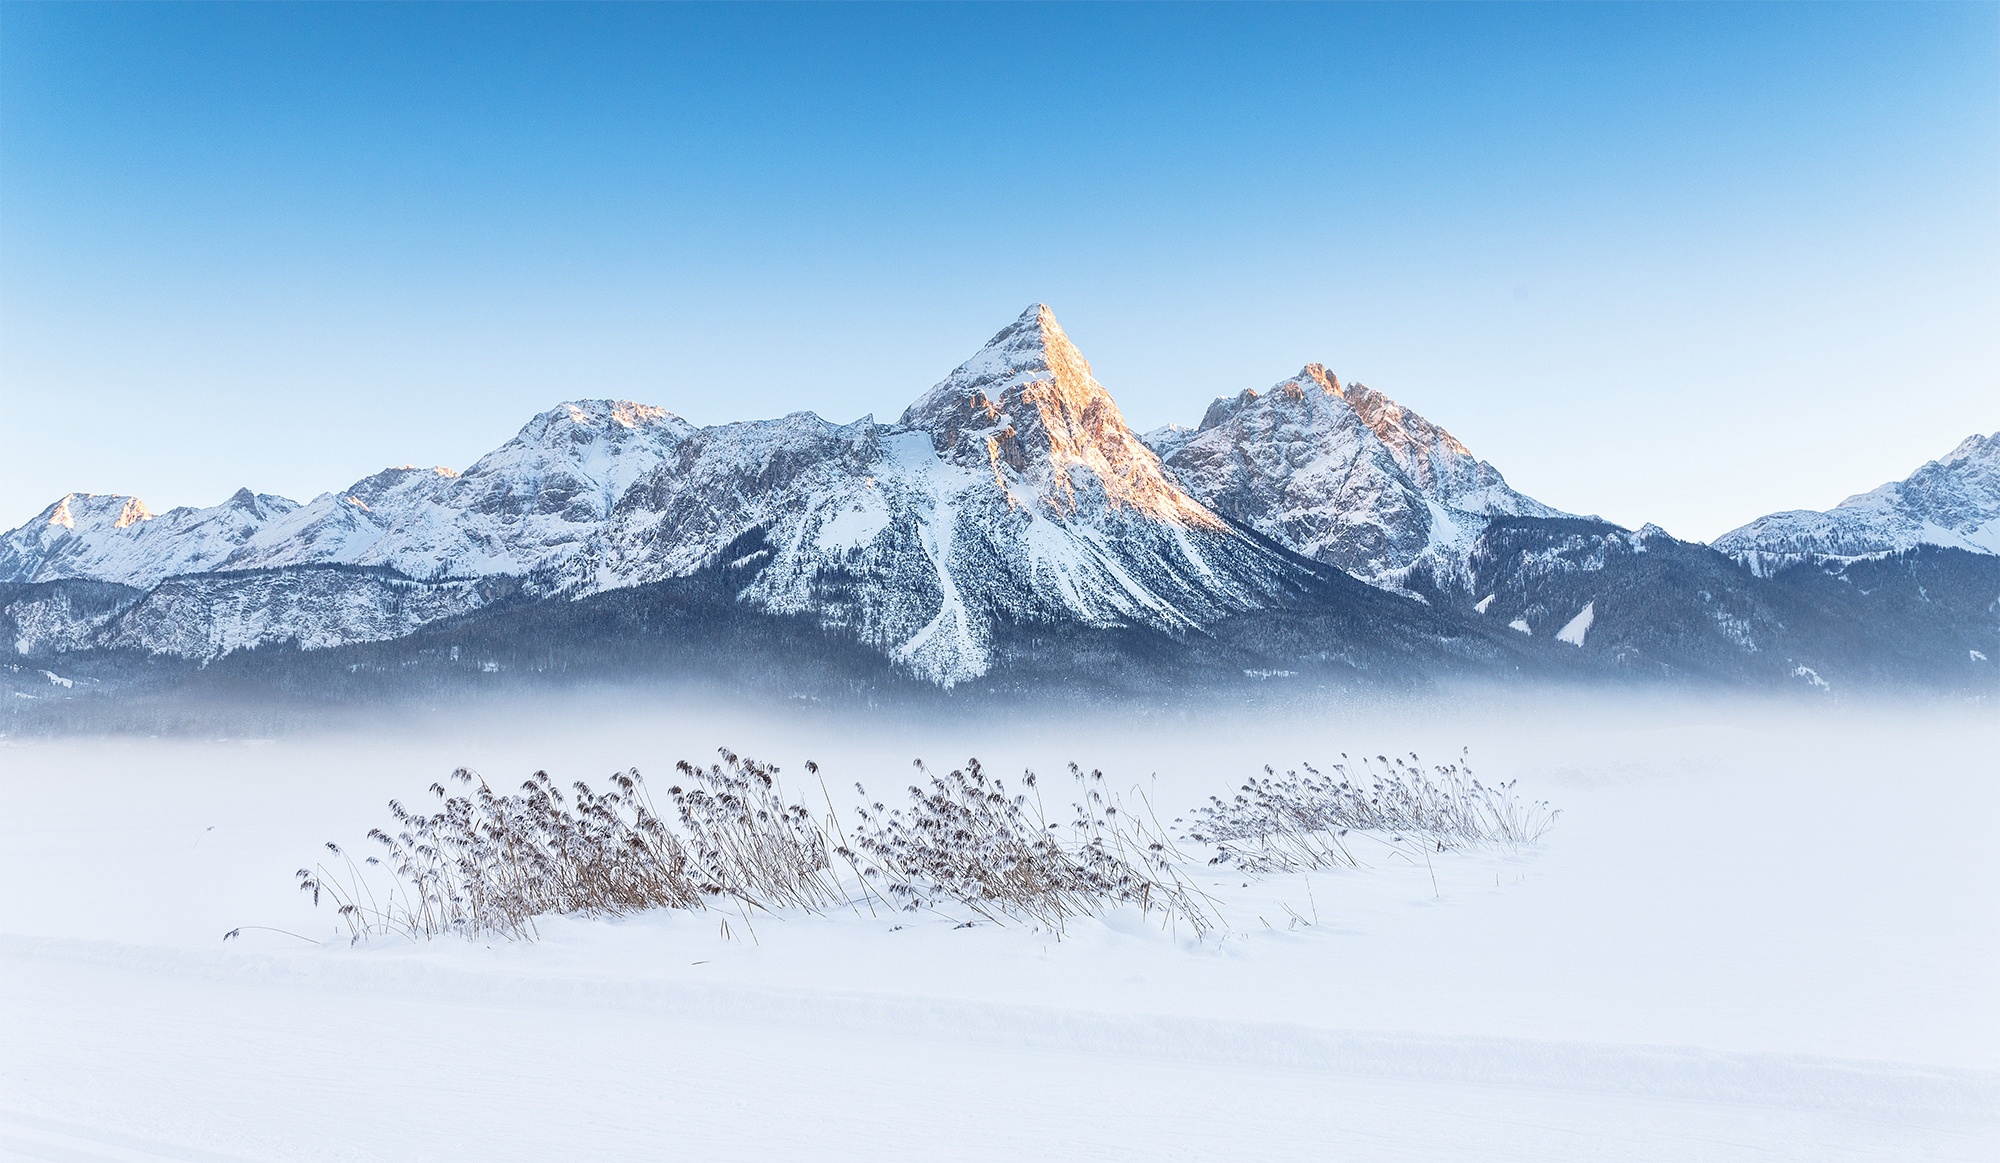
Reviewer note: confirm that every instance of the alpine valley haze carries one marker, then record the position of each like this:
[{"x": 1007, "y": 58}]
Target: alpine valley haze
[
  {"x": 793, "y": 730},
  {"x": 1007, "y": 532}
]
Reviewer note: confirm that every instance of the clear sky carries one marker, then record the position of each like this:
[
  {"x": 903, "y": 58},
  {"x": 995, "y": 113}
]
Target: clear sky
[{"x": 1685, "y": 264}]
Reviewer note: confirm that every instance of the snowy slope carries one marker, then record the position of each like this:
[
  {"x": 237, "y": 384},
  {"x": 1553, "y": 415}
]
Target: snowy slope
[
  {"x": 525, "y": 507},
  {"x": 1340, "y": 473},
  {"x": 1953, "y": 501},
  {"x": 1012, "y": 490},
  {"x": 528, "y": 505},
  {"x": 51, "y": 618},
  {"x": 1726, "y": 950},
  {"x": 117, "y": 539},
  {"x": 206, "y": 617}
]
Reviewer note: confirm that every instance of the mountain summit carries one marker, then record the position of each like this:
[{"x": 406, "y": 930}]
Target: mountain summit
[
  {"x": 1012, "y": 491},
  {"x": 1952, "y": 501},
  {"x": 117, "y": 539},
  {"x": 1027, "y": 406},
  {"x": 1010, "y": 523},
  {"x": 1343, "y": 474}
]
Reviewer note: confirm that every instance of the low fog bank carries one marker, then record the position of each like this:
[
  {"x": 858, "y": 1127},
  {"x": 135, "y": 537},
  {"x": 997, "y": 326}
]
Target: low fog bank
[
  {"x": 1550, "y": 739},
  {"x": 197, "y": 711},
  {"x": 1547, "y": 737},
  {"x": 335, "y": 771},
  {"x": 1509, "y": 732}
]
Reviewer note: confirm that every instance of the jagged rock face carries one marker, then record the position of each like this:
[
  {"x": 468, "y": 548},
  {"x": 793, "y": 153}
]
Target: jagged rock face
[
  {"x": 526, "y": 507},
  {"x": 1008, "y": 510},
  {"x": 1342, "y": 474},
  {"x": 115, "y": 538},
  {"x": 1953, "y": 501},
  {"x": 807, "y": 480},
  {"x": 1013, "y": 490},
  {"x": 1028, "y": 408},
  {"x": 207, "y": 617}
]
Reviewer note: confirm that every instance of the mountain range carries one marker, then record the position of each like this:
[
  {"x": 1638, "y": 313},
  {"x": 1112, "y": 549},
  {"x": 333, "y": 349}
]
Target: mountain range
[{"x": 1008, "y": 530}]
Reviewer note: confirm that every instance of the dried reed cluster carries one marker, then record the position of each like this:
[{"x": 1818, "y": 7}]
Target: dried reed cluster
[
  {"x": 486, "y": 863},
  {"x": 964, "y": 838},
  {"x": 1293, "y": 822}
]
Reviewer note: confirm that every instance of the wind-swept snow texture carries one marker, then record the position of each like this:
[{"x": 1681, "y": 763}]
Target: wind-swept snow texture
[
  {"x": 1726, "y": 950},
  {"x": 1953, "y": 501}
]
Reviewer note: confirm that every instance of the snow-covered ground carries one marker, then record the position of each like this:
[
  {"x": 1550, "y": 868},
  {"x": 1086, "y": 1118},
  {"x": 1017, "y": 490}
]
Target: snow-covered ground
[{"x": 1757, "y": 932}]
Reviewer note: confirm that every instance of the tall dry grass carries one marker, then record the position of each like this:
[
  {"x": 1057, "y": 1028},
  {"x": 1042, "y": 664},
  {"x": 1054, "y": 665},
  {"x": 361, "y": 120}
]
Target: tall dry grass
[
  {"x": 1292, "y": 821},
  {"x": 963, "y": 837},
  {"x": 488, "y": 863}
]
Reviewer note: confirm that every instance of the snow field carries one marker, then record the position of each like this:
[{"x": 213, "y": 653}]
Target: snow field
[{"x": 1755, "y": 933}]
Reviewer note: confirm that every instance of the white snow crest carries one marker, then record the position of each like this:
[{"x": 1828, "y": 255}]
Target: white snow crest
[
  {"x": 117, "y": 539},
  {"x": 1953, "y": 501}
]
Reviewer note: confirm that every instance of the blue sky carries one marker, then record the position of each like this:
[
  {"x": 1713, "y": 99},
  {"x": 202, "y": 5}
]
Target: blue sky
[{"x": 1685, "y": 264}]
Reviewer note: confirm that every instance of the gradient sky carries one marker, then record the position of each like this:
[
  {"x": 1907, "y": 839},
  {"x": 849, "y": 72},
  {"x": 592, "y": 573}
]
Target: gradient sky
[{"x": 1683, "y": 264}]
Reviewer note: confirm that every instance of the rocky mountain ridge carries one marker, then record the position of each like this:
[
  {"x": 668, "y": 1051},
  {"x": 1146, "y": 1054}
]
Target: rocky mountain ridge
[
  {"x": 1342, "y": 474},
  {"x": 1008, "y": 502},
  {"x": 1953, "y": 501},
  {"x": 1013, "y": 490}
]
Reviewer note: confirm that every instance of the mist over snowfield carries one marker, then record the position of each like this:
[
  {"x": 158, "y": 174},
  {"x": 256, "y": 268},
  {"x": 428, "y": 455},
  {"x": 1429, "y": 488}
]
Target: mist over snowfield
[
  {"x": 919, "y": 583},
  {"x": 1761, "y": 928}
]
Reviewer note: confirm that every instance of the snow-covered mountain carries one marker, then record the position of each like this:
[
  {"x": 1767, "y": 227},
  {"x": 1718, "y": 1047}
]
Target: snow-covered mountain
[
  {"x": 116, "y": 538},
  {"x": 1008, "y": 524},
  {"x": 1012, "y": 490},
  {"x": 314, "y": 608},
  {"x": 1953, "y": 501},
  {"x": 1341, "y": 473},
  {"x": 525, "y": 507}
]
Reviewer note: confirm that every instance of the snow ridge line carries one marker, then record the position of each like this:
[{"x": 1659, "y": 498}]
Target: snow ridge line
[
  {"x": 25, "y": 1136},
  {"x": 1682, "y": 1073}
]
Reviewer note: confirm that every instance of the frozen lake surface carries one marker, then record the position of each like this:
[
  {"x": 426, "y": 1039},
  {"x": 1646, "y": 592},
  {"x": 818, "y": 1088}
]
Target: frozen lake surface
[{"x": 1759, "y": 931}]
